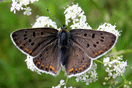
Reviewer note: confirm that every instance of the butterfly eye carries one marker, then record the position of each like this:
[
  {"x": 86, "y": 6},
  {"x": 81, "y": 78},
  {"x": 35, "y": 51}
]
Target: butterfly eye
[{"x": 93, "y": 36}]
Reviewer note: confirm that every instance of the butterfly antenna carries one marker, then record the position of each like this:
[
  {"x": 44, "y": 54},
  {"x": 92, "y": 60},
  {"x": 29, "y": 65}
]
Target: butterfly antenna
[
  {"x": 54, "y": 17},
  {"x": 76, "y": 16}
]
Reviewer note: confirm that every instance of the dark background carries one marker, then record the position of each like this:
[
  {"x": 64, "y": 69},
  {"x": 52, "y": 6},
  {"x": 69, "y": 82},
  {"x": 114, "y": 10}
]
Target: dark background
[{"x": 13, "y": 69}]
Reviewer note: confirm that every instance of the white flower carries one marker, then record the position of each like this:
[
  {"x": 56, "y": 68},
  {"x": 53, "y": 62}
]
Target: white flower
[
  {"x": 73, "y": 13},
  {"x": 43, "y": 21},
  {"x": 90, "y": 76},
  {"x": 109, "y": 28},
  {"x": 21, "y": 5},
  {"x": 27, "y": 11},
  {"x": 62, "y": 82},
  {"x": 115, "y": 67},
  {"x": 106, "y": 61}
]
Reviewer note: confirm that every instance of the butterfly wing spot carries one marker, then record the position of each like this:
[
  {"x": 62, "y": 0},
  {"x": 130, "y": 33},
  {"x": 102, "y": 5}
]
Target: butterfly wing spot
[
  {"x": 94, "y": 45},
  {"x": 18, "y": 42},
  {"x": 97, "y": 42},
  {"x": 30, "y": 40},
  {"x": 46, "y": 68},
  {"x": 101, "y": 40},
  {"x": 101, "y": 34},
  {"x": 87, "y": 46},
  {"x": 34, "y": 34},
  {"x": 109, "y": 44},
  {"x": 111, "y": 41},
  {"x": 95, "y": 54},
  {"x": 38, "y": 62},
  {"x": 42, "y": 33},
  {"x": 22, "y": 46},
  {"x": 105, "y": 48},
  {"x": 83, "y": 66},
  {"x": 32, "y": 44},
  {"x": 52, "y": 69},
  {"x": 39, "y": 44},
  {"x": 93, "y": 35},
  {"x": 80, "y": 68},
  {"x": 25, "y": 38},
  {"x": 25, "y": 35},
  {"x": 31, "y": 53},
  {"x": 42, "y": 66},
  {"x": 26, "y": 49},
  {"x": 75, "y": 70},
  {"x": 101, "y": 51},
  {"x": 102, "y": 37},
  {"x": 85, "y": 35},
  {"x": 71, "y": 70}
]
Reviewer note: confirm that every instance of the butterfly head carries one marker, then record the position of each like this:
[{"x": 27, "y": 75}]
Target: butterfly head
[{"x": 63, "y": 28}]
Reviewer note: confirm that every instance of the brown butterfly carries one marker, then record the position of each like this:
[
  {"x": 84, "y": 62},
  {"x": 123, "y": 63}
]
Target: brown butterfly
[{"x": 74, "y": 49}]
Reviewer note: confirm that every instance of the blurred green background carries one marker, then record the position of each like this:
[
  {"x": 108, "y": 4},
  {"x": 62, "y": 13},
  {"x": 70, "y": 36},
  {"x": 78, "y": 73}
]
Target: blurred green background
[{"x": 13, "y": 69}]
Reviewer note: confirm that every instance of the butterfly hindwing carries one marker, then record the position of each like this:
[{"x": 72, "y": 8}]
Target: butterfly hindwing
[
  {"x": 33, "y": 41},
  {"x": 49, "y": 59},
  {"x": 93, "y": 43},
  {"x": 77, "y": 61}
]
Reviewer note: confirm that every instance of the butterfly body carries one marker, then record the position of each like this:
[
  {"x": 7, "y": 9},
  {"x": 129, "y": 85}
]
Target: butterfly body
[{"x": 75, "y": 50}]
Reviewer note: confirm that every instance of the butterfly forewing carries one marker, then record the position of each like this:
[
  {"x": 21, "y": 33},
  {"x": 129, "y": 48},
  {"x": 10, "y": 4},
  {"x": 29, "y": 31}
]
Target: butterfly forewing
[
  {"x": 49, "y": 59},
  {"x": 77, "y": 62},
  {"x": 93, "y": 43},
  {"x": 33, "y": 41}
]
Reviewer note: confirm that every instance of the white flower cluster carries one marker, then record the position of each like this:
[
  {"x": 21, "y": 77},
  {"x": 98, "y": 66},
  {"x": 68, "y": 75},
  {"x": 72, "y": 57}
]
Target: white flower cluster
[
  {"x": 109, "y": 28},
  {"x": 43, "y": 21},
  {"x": 21, "y": 5},
  {"x": 62, "y": 84},
  {"x": 76, "y": 14},
  {"x": 90, "y": 76},
  {"x": 115, "y": 67}
]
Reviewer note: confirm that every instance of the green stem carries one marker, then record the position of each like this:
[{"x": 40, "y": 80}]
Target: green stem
[
  {"x": 121, "y": 52},
  {"x": 99, "y": 61},
  {"x": 66, "y": 81},
  {"x": 123, "y": 82}
]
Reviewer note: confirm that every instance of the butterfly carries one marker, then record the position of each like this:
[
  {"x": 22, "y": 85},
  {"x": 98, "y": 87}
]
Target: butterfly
[{"x": 75, "y": 49}]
